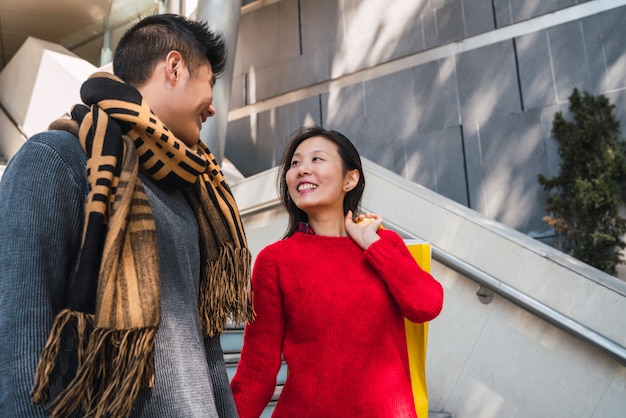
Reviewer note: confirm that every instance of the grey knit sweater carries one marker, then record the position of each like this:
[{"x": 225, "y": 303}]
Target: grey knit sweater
[{"x": 42, "y": 196}]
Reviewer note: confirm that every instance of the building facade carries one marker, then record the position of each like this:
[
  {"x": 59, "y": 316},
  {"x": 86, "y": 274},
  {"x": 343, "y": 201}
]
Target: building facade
[{"x": 456, "y": 95}]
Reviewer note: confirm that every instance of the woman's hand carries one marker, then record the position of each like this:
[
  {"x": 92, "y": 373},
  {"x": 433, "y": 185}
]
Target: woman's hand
[{"x": 364, "y": 228}]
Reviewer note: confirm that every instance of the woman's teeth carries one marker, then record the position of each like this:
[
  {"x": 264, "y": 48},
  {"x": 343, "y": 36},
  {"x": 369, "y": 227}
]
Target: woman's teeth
[{"x": 306, "y": 186}]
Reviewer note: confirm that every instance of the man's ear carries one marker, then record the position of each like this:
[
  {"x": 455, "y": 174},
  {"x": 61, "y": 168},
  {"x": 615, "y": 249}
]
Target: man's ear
[{"x": 173, "y": 66}]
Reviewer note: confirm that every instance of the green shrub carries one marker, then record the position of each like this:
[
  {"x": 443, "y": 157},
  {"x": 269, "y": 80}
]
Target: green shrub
[{"x": 587, "y": 193}]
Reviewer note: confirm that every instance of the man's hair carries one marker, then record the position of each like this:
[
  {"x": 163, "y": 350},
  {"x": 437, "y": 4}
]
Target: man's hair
[{"x": 152, "y": 38}]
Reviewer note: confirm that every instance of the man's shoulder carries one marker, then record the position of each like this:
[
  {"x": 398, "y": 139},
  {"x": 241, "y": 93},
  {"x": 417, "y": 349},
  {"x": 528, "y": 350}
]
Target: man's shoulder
[
  {"x": 58, "y": 145},
  {"x": 48, "y": 153},
  {"x": 56, "y": 140}
]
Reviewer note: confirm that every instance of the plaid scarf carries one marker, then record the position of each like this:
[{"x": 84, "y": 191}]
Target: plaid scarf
[{"x": 114, "y": 310}]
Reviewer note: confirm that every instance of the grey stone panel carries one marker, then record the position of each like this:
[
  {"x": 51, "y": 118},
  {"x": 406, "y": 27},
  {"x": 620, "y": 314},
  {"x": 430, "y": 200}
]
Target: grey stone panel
[
  {"x": 435, "y": 160},
  {"x": 390, "y": 108},
  {"x": 250, "y": 146},
  {"x": 473, "y": 166},
  {"x": 410, "y": 39},
  {"x": 502, "y": 13},
  {"x": 568, "y": 58},
  {"x": 594, "y": 56},
  {"x": 436, "y": 95},
  {"x": 321, "y": 24},
  {"x": 618, "y": 98},
  {"x": 388, "y": 41},
  {"x": 394, "y": 31},
  {"x": 289, "y": 29},
  {"x": 322, "y": 33},
  {"x": 429, "y": 24},
  {"x": 259, "y": 39},
  {"x": 305, "y": 70},
  {"x": 266, "y": 139},
  {"x": 535, "y": 70},
  {"x": 390, "y": 118},
  {"x": 487, "y": 80},
  {"x": 258, "y": 145},
  {"x": 613, "y": 29},
  {"x": 344, "y": 110},
  {"x": 240, "y": 147},
  {"x": 268, "y": 43},
  {"x": 238, "y": 92},
  {"x": 478, "y": 17},
  {"x": 436, "y": 4},
  {"x": 513, "y": 11},
  {"x": 553, "y": 159},
  {"x": 522, "y": 10},
  {"x": 513, "y": 153},
  {"x": 265, "y": 82},
  {"x": 387, "y": 153},
  {"x": 291, "y": 117},
  {"x": 450, "y": 23}
]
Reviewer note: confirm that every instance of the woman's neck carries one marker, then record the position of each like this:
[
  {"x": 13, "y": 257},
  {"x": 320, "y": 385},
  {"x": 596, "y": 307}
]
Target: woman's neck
[{"x": 329, "y": 226}]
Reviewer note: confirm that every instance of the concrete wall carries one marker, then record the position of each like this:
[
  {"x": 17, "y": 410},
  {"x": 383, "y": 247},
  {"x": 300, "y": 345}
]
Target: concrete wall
[
  {"x": 40, "y": 84},
  {"x": 456, "y": 95}
]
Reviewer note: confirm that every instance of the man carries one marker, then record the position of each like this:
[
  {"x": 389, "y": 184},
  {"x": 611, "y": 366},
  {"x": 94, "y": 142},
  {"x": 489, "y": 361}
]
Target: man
[{"x": 122, "y": 253}]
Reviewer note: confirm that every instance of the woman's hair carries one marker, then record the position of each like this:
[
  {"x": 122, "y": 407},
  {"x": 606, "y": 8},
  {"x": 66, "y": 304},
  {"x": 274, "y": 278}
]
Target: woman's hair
[
  {"x": 349, "y": 157},
  {"x": 153, "y": 37}
]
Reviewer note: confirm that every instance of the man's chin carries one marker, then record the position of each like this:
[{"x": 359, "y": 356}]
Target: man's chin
[{"x": 188, "y": 140}]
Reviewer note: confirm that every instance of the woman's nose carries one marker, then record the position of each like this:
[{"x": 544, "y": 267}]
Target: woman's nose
[{"x": 303, "y": 169}]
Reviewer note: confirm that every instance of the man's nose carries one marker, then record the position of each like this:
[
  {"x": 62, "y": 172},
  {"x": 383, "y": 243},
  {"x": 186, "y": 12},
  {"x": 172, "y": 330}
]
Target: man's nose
[{"x": 211, "y": 110}]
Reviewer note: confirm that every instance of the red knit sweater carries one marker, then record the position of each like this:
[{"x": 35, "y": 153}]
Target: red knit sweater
[{"x": 336, "y": 313}]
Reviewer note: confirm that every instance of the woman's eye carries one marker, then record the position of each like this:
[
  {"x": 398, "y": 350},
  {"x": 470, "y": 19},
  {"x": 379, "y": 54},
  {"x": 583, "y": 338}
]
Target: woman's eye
[{"x": 294, "y": 163}]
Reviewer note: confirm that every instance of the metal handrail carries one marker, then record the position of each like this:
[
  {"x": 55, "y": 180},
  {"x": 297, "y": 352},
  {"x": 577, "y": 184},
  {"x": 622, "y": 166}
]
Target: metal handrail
[{"x": 563, "y": 322}]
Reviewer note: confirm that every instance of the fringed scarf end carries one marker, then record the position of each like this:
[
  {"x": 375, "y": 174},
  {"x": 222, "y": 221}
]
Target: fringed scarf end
[
  {"x": 225, "y": 290},
  {"x": 50, "y": 353},
  {"x": 113, "y": 367}
]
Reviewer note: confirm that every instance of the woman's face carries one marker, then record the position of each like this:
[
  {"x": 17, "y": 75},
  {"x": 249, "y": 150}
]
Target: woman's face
[{"x": 316, "y": 179}]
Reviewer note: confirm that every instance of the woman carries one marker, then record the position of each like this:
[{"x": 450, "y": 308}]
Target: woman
[{"x": 331, "y": 297}]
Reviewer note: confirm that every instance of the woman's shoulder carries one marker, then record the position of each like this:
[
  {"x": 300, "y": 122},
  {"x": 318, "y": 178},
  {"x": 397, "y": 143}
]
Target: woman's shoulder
[
  {"x": 284, "y": 247},
  {"x": 277, "y": 248}
]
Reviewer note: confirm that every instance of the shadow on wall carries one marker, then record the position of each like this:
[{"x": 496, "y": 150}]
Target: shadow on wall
[{"x": 474, "y": 126}]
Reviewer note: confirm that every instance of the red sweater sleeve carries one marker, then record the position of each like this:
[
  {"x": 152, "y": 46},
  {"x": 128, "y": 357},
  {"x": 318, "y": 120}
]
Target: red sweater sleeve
[
  {"x": 255, "y": 379},
  {"x": 417, "y": 293}
]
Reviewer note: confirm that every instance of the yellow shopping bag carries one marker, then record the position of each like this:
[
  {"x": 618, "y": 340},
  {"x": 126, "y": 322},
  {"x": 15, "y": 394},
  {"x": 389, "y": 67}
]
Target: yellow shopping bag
[{"x": 417, "y": 336}]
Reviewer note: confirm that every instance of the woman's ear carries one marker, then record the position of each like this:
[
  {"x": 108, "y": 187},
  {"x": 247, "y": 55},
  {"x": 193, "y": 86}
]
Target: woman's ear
[{"x": 352, "y": 179}]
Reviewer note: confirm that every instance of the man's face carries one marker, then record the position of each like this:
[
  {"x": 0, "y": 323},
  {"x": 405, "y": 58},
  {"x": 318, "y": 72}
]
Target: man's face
[{"x": 190, "y": 103}]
